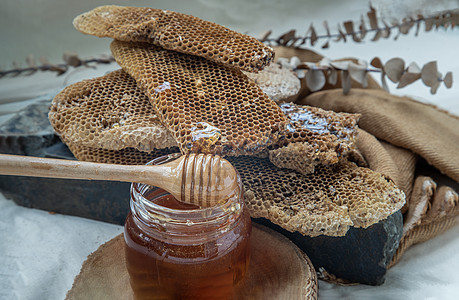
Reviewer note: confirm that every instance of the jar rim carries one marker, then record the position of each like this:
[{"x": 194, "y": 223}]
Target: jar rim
[
  {"x": 136, "y": 188},
  {"x": 147, "y": 209}
]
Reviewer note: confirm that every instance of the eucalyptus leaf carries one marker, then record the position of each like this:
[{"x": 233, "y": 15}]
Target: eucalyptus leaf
[
  {"x": 327, "y": 28},
  {"x": 448, "y": 80},
  {"x": 418, "y": 28},
  {"x": 408, "y": 78},
  {"x": 315, "y": 79},
  {"x": 384, "y": 82},
  {"x": 340, "y": 65},
  {"x": 43, "y": 60},
  {"x": 325, "y": 62},
  {"x": 385, "y": 33},
  {"x": 313, "y": 35},
  {"x": 428, "y": 24},
  {"x": 376, "y": 62},
  {"x": 349, "y": 28},
  {"x": 372, "y": 18},
  {"x": 332, "y": 76},
  {"x": 346, "y": 82},
  {"x": 394, "y": 68},
  {"x": 287, "y": 37},
  {"x": 295, "y": 61},
  {"x": 377, "y": 36},
  {"x": 362, "y": 28},
  {"x": 434, "y": 88},
  {"x": 341, "y": 35},
  {"x": 362, "y": 62},
  {"x": 413, "y": 68},
  {"x": 358, "y": 73},
  {"x": 429, "y": 74},
  {"x": 30, "y": 60},
  {"x": 406, "y": 25},
  {"x": 72, "y": 59},
  {"x": 265, "y": 35}
]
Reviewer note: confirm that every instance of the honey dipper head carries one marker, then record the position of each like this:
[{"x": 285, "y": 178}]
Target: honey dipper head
[{"x": 208, "y": 180}]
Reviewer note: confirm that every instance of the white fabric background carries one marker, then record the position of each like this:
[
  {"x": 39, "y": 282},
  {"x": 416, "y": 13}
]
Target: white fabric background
[{"x": 40, "y": 253}]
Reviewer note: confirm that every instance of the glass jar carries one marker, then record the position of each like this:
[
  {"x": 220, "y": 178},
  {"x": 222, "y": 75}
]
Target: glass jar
[{"x": 176, "y": 250}]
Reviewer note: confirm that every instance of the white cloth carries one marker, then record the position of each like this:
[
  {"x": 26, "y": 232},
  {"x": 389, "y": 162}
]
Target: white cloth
[{"x": 41, "y": 253}]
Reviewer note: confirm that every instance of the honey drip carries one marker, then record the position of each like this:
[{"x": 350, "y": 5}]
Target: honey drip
[{"x": 204, "y": 137}]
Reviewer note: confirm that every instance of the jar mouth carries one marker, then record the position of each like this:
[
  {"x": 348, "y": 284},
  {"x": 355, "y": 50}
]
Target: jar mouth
[
  {"x": 164, "y": 218},
  {"x": 139, "y": 189}
]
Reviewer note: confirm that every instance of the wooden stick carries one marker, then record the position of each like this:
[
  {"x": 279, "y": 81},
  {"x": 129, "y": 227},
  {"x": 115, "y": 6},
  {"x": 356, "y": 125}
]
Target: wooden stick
[
  {"x": 164, "y": 176},
  {"x": 203, "y": 180}
]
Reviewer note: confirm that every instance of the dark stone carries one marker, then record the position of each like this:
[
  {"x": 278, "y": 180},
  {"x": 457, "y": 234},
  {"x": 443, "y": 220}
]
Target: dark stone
[
  {"x": 106, "y": 201},
  {"x": 361, "y": 256},
  {"x": 28, "y": 132},
  {"x": 98, "y": 200},
  {"x": 58, "y": 150}
]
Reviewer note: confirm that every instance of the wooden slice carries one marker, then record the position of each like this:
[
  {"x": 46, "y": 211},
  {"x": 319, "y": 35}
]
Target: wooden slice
[{"x": 277, "y": 270}]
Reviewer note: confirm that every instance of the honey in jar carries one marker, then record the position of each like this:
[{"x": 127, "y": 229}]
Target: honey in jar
[{"x": 176, "y": 250}]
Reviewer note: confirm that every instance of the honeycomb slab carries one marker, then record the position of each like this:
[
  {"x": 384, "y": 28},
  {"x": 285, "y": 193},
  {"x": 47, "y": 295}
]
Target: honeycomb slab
[
  {"x": 178, "y": 32},
  {"x": 108, "y": 112},
  {"x": 191, "y": 94}
]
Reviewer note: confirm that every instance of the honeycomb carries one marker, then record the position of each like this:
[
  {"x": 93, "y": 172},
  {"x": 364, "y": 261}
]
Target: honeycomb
[
  {"x": 126, "y": 156},
  {"x": 178, "y": 32},
  {"x": 327, "y": 202},
  {"x": 108, "y": 112},
  {"x": 208, "y": 107},
  {"x": 314, "y": 137},
  {"x": 277, "y": 82}
]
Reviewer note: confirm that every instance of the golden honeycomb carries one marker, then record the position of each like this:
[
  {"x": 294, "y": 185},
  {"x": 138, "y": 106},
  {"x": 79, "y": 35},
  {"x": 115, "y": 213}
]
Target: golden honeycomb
[
  {"x": 126, "y": 156},
  {"x": 206, "y": 106},
  {"x": 178, "y": 32},
  {"x": 108, "y": 112},
  {"x": 327, "y": 202},
  {"x": 314, "y": 137}
]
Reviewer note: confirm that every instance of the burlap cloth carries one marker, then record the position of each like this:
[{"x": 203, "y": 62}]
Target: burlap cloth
[{"x": 414, "y": 144}]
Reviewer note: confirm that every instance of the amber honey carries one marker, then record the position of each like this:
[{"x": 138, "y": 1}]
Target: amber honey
[{"x": 175, "y": 250}]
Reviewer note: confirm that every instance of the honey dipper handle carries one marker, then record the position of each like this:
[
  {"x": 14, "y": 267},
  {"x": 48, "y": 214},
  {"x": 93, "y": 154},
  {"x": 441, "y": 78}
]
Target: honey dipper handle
[{"x": 161, "y": 176}]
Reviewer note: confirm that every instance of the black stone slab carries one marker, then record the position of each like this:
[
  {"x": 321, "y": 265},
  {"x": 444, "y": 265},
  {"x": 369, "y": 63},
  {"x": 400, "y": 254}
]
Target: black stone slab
[
  {"x": 361, "y": 256},
  {"x": 28, "y": 132},
  {"x": 106, "y": 201},
  {"x": 98, "y": 200}
]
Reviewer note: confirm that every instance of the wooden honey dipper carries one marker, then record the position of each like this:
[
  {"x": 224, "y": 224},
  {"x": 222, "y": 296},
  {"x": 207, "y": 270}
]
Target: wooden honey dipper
[{"x": 199, "y": 179}]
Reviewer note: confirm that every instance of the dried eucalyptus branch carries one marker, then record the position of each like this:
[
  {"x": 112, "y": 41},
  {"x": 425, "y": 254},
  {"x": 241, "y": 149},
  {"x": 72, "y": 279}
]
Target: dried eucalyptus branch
[
  {"x": 71, "y": 59},
  {"x": 318, "y": 74},
  {"x": 379, "y": 28}
]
